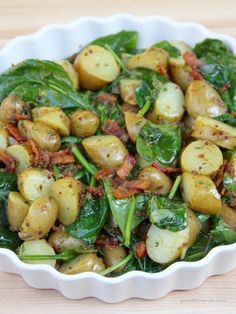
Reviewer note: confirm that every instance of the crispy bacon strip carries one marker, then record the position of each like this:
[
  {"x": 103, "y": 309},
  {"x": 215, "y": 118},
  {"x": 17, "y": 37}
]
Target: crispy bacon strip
[
  {"x": 96, "y": 191},
  {"x": 165, "y": 169},
  {"x": 111, "y": 127},
  {"x": 19, "y": 117},
  {"x": 61, "y": 157},
  {"x": 140, "y": 249},
  {"x": 126, "y": 166},
  {"x": 120, "y": 192},
  {"x": 104, "y": 240},
  {"x": 41, "y": 157},
  {"x": 192, "y": 61},
  {"x": 107, "y": 99},
  {"x": 136, "y": 184},
  {"x": 104, "y": 173},
  {"x": 220, "y": 174},
  {"x": 9, "y": 161},
  {"x": 14, "y": 132}
]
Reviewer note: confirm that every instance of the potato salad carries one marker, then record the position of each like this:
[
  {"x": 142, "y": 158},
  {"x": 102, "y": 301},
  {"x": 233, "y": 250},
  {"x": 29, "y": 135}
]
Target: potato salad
[{"x": 119, "y": 158}]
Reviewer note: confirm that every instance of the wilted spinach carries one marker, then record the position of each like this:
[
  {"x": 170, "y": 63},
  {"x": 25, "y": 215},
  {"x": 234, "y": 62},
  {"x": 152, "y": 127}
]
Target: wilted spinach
[
  {"x": 221, "y": 232},
  {"x": 172, "y": 51},
  {"x": 145, "y": 264},
  {"x": 229, "y": 183},
  {"x": 8, "y": 183},
  {"x": 227, "y": 118},
  {"x": 200, "y": 248},
  {"x": 9, "y": 239}
]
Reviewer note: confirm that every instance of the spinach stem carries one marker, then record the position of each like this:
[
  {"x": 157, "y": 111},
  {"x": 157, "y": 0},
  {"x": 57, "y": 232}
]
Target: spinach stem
[
  {"x": 56, "y": 172},
  {"x": 114, "y": 267},
  {"x": 144, "y": 110},
  {"x": 129, "y": 222},
  {"x": 175, "y": 187},
  {"x": 92, "y": 181},
  {"x": 118, "y": 60},
  {"x": 80, "y": 158}
]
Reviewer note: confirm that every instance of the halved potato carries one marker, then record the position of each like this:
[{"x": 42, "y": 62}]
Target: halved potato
[
  {"x": 40, "y": 219},
  {"x": 203, "y": 100},
  {"x": 200, "y": 193},
  {"x": 133, "y": 124},
  {"x": 73, "y": 75},
  {"x": 46, "y": 137},
  {"x": 201, "y": 157},
  {"x": 53, "y": 117},
  {"x": 17, "y": 210},
  {"x": 3, "y": 139},
  {"x": 67, "y": 192},
  {"x": 23, "y": 154},
  {"x": 96, "y": 67},
  {"x": 218, "y": 132},
  {"x": 84, "y": 123},
  {"x": 229, "y": 215},
  {"x": 127, "y": 90},
  {"x": 34, "y": 182},
  {"x": 10, "y": 107},
  {"x": 106, "y": 151}
]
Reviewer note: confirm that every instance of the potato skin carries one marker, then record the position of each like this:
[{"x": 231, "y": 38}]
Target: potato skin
[
  {"x": 83, "y": 263},
  {"x": 43, "y": 135},
  {"x": 107, "y": 151},
  {"x": 180, "y": 74},
  {"x": 67, "y": 192},
  {"x": 40, "y": 219},
  {"x": 194, "y": 226},
  {"x": 34, "y": 182},
  {"x": 96, "y": 67},
  {"x": 73, "y": 75},
  {"x": 84, "y": 123},
  {"x": 17, "y": 210},
  {"x": 160, "y": 182},
  {"x": 203, "y": 100},
  {"x": 127, "y": 90},
  {"x": 114, "y": 255},
  {"x": 23, "y": 154},
  {"x": 133, "y": 125},
  {"x": 10, "y": 107},
  {"x": 200, "y": 193},
  {"x": 3, "y": 139},
  {"x": 229, "y": 215},
  {"x": 52, "y": 117}
]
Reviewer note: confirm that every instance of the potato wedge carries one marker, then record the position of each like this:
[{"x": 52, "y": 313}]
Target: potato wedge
[
  {"x": 40, "y": 219},
  {"x": 202, "y": 99},
  {"x": 34, "y": 183},
  {"x": 52, "y": 117},
  {"x": 106, "y": 151},
  {"x": 229, "y": 215},
  {"x": 218, "y": 132},
  {"x": 17, "y": 210},
  {"x": 3, "y": 139},
  {"x": 43, "y": 135},
  {"x": 114, "y": 255},
  {"x": 201, "y": 157},
  {"x": 200, "y": 193},
  {"x": 10, "y": 107},
  {"x": 96, "y": 67},
  {"x": 73, "y": 75},
  {"x": 67, "y": 192},
  {"x": 127, "y": 90},
  {"x": 23, "y": 154},
  {"x": 84, "y": 123},
  {"x": 194, "y": 226},
  {"x": 133, "y": 124}
]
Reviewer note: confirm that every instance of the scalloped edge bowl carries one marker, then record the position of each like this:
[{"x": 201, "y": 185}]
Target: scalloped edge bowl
[{"x": 58, "y": 41}]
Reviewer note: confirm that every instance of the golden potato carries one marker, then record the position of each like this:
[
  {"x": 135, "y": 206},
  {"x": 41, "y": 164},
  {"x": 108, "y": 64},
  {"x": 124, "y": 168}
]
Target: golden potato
[
  {"x": 202, "y": 99},
  {"x": 23, "y": 154},
  {"x": 160, "y": 182},
  {"x": 218, "y": 132},
  {"x": 180, "y": 74},
  {"x": 114, "y": 255},
  {"x": 83, "y": 263},
  {"x": 194, "y": 226},
  {"x": 17, "y": 210},
  {"x": 43, "y": 135},
  {"x": 10, "y": 107},
  {"x": 106, "y": 151},
  {"x": 201, "y": 157},
  {"x": 200, "y": 193},
  {"x": 3, "y": 139},
  {"x": 73, "y": 75},
  {"x": 40, "y": 219},
  {"x": 229, "y": 215},
  {"x": 232, "y": 164},
  {"x": 67, "y": 192},
  {"x": 133, "y": 124},
  {"x": 127, "y": 90},
  {"x": 34, "y": 182},
  {"x": 52, "y": 117},
  {"x": 155, "y": 59},
  {"x": 96, "y": 67},
  {"x": 84, "y": 123}
]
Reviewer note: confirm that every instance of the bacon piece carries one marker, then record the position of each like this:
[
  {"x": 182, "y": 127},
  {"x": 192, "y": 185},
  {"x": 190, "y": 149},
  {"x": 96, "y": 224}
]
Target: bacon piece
[
  {"x": 224, "y": 88},
  {"x": 96, "y": 191},
  {"x": 104, "y": 240},
  {"x": 120, "y": 192},
  {"x": 9, "y": 161},
  {"x": 111, "y": 127},
  {"x": 126, "y": 166},
  {"x": 140, "y": 249},
  {"x": 192, "y": 61},
  {"x": 165, "y": 169},
  {"x": 104, "y": 173},
  {"x": 117, "y": 182},
  {"x": 107, "y": 99},
  {"x": 61, "y": 157},
  {"x": 14, "y": 132},
  {"x": 19, "y": 117},
  {"x": 220, "y": 174},
  {"x": 136, "y": 184},
  {"x": 41, "y": 157}
]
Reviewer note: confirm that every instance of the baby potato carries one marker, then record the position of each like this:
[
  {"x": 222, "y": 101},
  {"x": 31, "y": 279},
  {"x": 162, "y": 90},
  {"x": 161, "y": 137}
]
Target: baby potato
[
  {"x": 155, "y": 59},
  {"x": 200, "y": 193},
  {"x": 17, "y": 210},
  {"x": 84, "y": 123},
  {"x": 73, "y": 75},
  {"x": 96, "y": 67},
  {"x": 169, "y": 105},
  {"x": 133, "y": 124},
  {"x": 52, "y": 117},
  {"x": 160, "y": 182},
  {"x": 127, "y": 90},
  {"x": 23, "y": 154},
  {"x": 3, "y": 139},
  {"x": 114, "y": 255},
  {"x": 67, "y": 191},
  {"x": 203, "y": 100},
  {"x": 37, "y": 247},
  {"x": 201, "y": 157},
  {"x": 10, "y": 107},
  {"x": 218, "y": 132},
  {"x": 40, "y": 219},
  {"x": 43, "y": 135},
  {"x": 83, "y": 263},
  {"x": 106, "y": 151},
  {"x": 34, "y": 182},
  {"x": 229, "y": 215},
  {"x": 194, "y": 226}
]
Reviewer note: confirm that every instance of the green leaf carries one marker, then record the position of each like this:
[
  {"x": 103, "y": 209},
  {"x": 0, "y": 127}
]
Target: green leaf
[
  {"x": 172, "y": 51},
  {"x": 228, "y": 183},
  {"x": 69, "y": 141},
  {"x": 146, "y": 264},
  {"x": 227, "y": 118},
  {"x": 200, "y": 248},
  {"x": 159, "y": 142},
  {"x": 221, "y": 232},
  {"x": 9, "y": 239}
]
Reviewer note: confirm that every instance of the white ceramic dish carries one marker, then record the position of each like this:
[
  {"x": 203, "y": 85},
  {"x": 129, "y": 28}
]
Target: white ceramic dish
[{"x": 59, "y": 41}]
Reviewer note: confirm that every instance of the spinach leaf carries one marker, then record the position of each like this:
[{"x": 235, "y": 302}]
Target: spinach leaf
[
  {"x": 221, "y": 232},
  {"x": 159, "y": 142},
  {"x": 228, "y": 183},
  {"x": 227, "y": 118},
  {"x": 124, "y": 41},
  {"x": 8, "y": 183},
  {"x": 71, "y": 140},
  {"x": 172, "y": 51},
  {"x": 168, "y": 214},
  {"x": 200, "y": 248},
  {"x": 110, "y": 112},
  {"x": 146, "y": 264},
  {"x": 9, "y": 239},
  {"x": 93, "y": 215}
]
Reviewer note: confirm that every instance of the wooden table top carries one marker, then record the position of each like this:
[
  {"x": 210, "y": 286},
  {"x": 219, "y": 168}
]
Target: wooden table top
[{"x": 19, "y": 17}]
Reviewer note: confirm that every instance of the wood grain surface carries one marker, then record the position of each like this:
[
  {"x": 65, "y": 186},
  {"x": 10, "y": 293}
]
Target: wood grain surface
[{"x": 20, "y": 17}]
